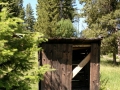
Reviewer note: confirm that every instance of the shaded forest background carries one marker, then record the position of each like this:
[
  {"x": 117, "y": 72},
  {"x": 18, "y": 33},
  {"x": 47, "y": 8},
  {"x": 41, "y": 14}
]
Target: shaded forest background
[{"x": 20, "y": 33}]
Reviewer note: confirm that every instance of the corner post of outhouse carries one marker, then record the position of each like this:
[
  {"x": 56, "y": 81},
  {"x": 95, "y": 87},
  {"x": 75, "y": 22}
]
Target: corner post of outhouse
[{"x": 95, "y": 66}]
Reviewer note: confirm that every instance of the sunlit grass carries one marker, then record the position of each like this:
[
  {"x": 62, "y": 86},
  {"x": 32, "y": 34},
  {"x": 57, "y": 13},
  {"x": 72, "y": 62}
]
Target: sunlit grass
[
  {"x": 111, "y": 72},
  {"x": 34, "y": 86}
]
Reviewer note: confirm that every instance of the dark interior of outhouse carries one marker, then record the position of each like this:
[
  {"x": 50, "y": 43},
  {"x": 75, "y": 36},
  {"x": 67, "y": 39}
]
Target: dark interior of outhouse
[{"x": 82, "y": 79}]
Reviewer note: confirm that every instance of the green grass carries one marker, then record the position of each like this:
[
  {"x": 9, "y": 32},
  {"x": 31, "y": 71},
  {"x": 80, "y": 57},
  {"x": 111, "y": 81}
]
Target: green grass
[
  {"x": 110, "y": 72},
  {"x": 34, "y": 86}
]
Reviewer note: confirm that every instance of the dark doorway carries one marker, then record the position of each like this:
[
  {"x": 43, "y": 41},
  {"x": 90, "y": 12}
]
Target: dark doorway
[{"x": 82, "y": 79}]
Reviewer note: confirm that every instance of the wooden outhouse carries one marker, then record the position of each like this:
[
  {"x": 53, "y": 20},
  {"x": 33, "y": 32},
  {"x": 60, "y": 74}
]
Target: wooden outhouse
[{"x": 77, "y": 64}]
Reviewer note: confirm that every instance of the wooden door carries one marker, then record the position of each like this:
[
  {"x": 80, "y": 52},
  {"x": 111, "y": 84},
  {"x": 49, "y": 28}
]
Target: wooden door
[{"x": 59, "y": 57}]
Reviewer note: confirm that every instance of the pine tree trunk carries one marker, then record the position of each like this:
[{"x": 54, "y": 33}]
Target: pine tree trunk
[{"x": 114, "y": 57}]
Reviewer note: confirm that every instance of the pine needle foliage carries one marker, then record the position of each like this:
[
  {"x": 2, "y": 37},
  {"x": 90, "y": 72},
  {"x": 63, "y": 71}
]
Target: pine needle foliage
[
  {"x": 65, "y": 28},
  {"x": 50, "y": 12},
  {"x": 18, "y": 54},
  {"x": 15, "y": 7},
  {"x": 29, "y": 18},
  {"x": 102, "y": 18},
  {"x": 47, "y": 13}
]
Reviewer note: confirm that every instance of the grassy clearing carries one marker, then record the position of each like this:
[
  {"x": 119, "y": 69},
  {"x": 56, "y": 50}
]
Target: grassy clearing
[{"x": 110, "y": 72}]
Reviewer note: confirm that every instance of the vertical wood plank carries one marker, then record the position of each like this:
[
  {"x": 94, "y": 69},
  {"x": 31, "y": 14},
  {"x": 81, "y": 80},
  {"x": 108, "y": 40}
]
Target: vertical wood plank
[
  {"x": 95, "y": 66},
  {"x": 39, "y": 64},
  {"x": 46, "y": 59},
  {"x": 66, "y": 67},
  {"x": 63, "y": 68},
  {"x": 56, "y": 64},
  {"x": 69, "y": 67},
  {"x": 42, "y": 63},
  {"x": 59, "y": 56}
]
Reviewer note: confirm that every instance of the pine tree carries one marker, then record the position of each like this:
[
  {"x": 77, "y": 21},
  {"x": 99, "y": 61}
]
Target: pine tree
[
  {"x": 47, "y": 17},
  {"x": 10, "y": 63},
  {"x": 18, "y": 54},
  {"x": 49, "y": 12},
  {"x": 29, "y": 18},
  {"x": 102, "y": 17},
  {"x": 67, "y": 9},
  {"x": 15, "y": 7}
]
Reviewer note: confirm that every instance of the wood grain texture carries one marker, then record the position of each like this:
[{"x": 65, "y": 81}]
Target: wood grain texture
[
  {"x": 59, "y": 56},
  {"x": 95, "y": 67}
]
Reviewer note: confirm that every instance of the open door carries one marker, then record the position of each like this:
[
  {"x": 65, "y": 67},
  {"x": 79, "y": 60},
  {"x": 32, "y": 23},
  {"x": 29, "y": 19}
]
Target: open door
[{"x": 81, "y": 68}]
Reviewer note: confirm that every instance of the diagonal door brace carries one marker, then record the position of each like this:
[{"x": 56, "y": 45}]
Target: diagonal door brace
[{"x": 81, "y": 65}]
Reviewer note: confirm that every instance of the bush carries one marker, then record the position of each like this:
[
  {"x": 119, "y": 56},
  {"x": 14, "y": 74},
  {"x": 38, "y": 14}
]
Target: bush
[{"x": 18, "y": 54}]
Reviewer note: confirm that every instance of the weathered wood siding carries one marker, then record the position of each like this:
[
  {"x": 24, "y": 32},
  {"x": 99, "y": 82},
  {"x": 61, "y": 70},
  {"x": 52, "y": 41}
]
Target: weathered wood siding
[
  {"x": 95, "y": 66},
  {"x": 59, "y": 56}
]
